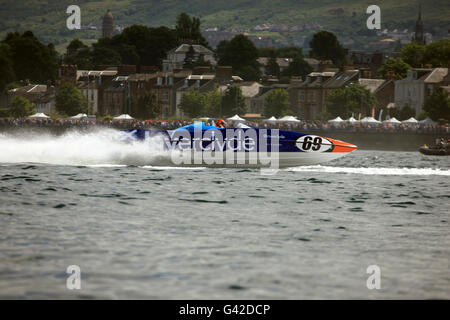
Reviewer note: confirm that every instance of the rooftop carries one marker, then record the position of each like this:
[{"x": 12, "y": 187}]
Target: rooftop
[
  {"x": 282, "y": 62},
  {"x": 340, "y": 79},
  {"x": 31, "y": 88},
  {"x": 185, "y": 48},
  {"x": 436, "y": 76},
  {"x": 95, "y": 73},
  {"x": 371, "y": 84}
]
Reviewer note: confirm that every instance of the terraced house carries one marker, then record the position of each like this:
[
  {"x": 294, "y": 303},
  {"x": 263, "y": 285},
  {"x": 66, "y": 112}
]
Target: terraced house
[{"x": 419, "y": 83}]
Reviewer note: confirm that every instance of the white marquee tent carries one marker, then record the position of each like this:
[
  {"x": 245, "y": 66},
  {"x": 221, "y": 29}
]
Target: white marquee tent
[
  {"x": 411, "y": 121},
  {"x": 79, "y": 116},
  {"x": 369, "y": 120},
  {"x": 288, "y": 119},
  {"x": 428, "y": 121},
  {"x": 240, "y": 125},
  {"x": 236, "y": 118},
  {"x": 123, "y": 117},
  {"x": 392, "y": 120},
  {"x": 351, "y": 120},
  {"x": 336, "y": 120},
  {"x": 271, "y": 119},
  {"x": 39, "y": 115}
]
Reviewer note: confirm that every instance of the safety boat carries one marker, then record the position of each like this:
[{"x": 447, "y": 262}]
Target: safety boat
[
  {"x": 435, "y": 150},
  {"x": 216, "y": 146}
]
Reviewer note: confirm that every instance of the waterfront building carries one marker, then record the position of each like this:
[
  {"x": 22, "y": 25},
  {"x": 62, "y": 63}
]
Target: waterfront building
[
  {"x": 40, "y": 95},
  {"x": 419, "y": 83},
  {"x": 176, "y": 57}
]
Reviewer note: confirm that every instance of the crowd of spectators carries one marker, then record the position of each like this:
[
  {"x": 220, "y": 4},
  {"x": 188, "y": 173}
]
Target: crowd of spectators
[{"x": 307, "y": 126}]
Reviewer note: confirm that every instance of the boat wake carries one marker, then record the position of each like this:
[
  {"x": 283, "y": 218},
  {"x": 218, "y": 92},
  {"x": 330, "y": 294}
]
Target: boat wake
[
  {"x": 372, "y": 171},
  {"x": 97, "y": 147}
]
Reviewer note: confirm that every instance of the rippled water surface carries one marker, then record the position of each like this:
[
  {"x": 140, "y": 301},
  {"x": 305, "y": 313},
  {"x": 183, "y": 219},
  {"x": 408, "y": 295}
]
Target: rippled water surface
[{"x": 155, "y": 232}]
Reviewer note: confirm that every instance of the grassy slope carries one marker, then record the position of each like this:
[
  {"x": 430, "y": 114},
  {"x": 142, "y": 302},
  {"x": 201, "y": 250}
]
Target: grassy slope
[{"x": 47, "y": 18}]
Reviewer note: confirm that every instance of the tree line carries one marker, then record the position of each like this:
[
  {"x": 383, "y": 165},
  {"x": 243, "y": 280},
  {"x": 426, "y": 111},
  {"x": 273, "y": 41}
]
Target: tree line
[
  {"x": 417, "y": 55},
  {"x": 230, "y": 102}
]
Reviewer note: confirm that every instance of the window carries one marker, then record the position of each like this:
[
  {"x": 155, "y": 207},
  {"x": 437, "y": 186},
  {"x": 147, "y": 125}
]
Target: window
[{"x": 301, "y": 95}]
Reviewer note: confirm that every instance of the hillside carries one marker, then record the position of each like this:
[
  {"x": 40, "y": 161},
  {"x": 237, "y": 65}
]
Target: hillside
[{"x": 346, "y": 18}]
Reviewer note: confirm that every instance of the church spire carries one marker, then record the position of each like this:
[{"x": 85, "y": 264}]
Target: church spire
[{"x": 419, "y": 35}]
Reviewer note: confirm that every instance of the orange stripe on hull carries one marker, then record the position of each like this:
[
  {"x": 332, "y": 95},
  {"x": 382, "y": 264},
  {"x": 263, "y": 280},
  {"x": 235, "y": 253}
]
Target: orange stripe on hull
[{"x": 341, "y": 146}]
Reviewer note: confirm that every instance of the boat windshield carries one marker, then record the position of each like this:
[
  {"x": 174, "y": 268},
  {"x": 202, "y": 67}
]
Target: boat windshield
[{"x": 197, "y": 126}]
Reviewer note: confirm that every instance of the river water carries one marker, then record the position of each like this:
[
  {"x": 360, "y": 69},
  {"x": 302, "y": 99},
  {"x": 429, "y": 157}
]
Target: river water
[{"x": 139, "y": 231}]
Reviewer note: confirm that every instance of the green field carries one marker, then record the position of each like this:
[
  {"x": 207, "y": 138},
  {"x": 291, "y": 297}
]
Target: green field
[{"x": 47, "y": 18}]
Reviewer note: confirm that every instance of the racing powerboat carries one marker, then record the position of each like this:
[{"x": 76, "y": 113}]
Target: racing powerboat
[{"x": 200, "y": 145}]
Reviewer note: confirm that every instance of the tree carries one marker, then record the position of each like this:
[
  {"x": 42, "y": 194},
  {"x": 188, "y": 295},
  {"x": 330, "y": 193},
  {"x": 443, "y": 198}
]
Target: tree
[
  {"x": 69, "y": 100},
  {"x": 212, "y": 103},
  {"x": 277, "y": 103},
  {"x": 413, "y": 54},
  {"x": 79, "y": 54},
  {"x": 437, "y": 105},
  {"x": 193, "y": 103},
  {"x": 272, "y": 68},
  {"x": 74, "y": 46},
  {"x": 396, "y": 68},
  {"x": 438, "y": 53},
  {"x": 422, "y": 115},
  {"x": 103, "y": 56},
  {"x": 325, "y": 46},
  {"x": 188, "y": 28},
  {"x": 242, "y": 55},
  {"x": 189, "y": 58},
  {"x": 324, "y": 116},
  {"x": 6, "y": 66},
  {"x": 355, "y": 98},
  {"x": 151, "y": 44},
  {"x": 32, "y": 59},
  {"x": 201, "y": 62},
  {"x": 128, "y": 54},
  {"x": 284, "y": 52},
  {"x": 298, "y": 68},
  {"x": 406, "y": 112},
  {"x": 233, "y": 102},
  {"x": 20, "y": 107},
  {"x": 145, "y": 107},
  {"x": 289, "y": 52},
  {"x": 222, "y": 48},
  {"x": 137, "y": 44}
]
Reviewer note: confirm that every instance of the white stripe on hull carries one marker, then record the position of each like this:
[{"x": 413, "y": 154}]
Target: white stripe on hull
[{"x": 285, "y": 159}]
